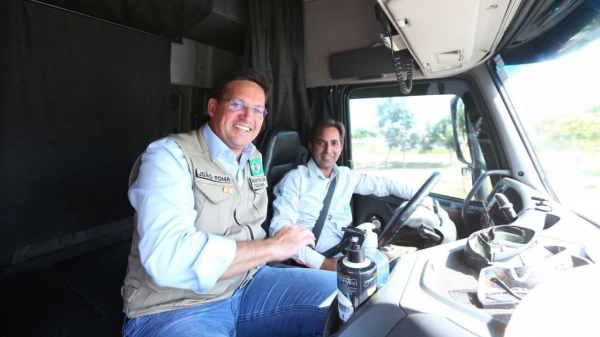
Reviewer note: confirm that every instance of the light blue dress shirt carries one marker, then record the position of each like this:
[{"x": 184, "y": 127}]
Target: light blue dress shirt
[
  {"x": 172, "y": 250},
  {"x": 299, "y": 199}
]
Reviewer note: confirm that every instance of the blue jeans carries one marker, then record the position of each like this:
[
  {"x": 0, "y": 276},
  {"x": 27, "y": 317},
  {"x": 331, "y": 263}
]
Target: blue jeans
[{"x": 277, "y": 302}]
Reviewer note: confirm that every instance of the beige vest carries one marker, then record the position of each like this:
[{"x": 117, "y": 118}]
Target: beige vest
[{"x": 223, "y": 207}]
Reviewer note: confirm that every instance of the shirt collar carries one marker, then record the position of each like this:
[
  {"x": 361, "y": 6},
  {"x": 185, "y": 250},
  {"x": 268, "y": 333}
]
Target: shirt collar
[
  {"x": 218, "y": 148},
  {"x": 315, "y": 171}
]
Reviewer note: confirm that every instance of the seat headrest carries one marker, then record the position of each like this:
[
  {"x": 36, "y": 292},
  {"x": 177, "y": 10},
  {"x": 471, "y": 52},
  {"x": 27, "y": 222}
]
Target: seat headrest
[
  {"x": 281, "y": 147},
  {"x": 282, "y": 152}
]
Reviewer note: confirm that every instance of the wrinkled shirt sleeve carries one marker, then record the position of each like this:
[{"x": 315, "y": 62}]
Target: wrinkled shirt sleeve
[
  {"x": 285, "y": 206},
  {"x": 172, "y": 250},
  {"x": 382, "y": 186},
  {"x": 285, "y": 212},
  {"x": 309, "y": 257}
]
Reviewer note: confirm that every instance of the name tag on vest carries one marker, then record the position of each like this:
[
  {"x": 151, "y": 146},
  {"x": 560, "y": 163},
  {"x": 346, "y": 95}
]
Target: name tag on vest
[
  {"x": 258, "y": 183},
  {"x": 212, "y": 176}
]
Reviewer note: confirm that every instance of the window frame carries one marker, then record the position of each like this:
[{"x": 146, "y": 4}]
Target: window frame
[{"x": 447, "y": 86}]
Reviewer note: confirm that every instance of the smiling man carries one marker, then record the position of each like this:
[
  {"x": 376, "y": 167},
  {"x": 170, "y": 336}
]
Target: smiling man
[
  {"x": 198, "y": 249},
  {"x": 300, "y": 195}
]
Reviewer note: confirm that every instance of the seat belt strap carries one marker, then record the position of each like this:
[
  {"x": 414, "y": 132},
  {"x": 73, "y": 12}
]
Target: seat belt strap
[{"x": 321, "y": 220}]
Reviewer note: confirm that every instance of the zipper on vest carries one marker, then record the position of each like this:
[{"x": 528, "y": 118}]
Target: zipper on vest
[
  {"x": 251, "y": 234},
  {"x": 237, "y": 222}
]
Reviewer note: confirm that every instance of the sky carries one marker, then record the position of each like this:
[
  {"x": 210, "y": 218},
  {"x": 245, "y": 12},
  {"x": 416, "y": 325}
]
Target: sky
[{"x": 568, "y": 84}]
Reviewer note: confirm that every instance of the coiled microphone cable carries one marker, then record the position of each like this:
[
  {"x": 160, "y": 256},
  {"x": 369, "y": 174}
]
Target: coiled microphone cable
[{"x": 405, "y": 85}]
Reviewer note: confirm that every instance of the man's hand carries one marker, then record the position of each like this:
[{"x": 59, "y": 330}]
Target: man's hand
[
  {"x": 428, "y": 203},
  {"x": 330, "y": 264},
  {"x": 281, "y": 246},
  {"x": 289, "y": 240}
]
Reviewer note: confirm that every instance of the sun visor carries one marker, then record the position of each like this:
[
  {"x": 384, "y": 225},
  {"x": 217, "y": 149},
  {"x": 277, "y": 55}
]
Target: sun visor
[{"x": 365, "y": 63}]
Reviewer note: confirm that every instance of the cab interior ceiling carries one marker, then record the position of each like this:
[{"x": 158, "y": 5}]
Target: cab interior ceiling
[
  {"x": 443, "y": 41},
  {"x": 219, "y": 23},
  {"x": 444, "y": 38}
]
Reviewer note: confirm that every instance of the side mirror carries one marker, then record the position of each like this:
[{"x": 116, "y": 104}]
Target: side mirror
[
  {"x": 467, "y": 178},
  {"x": 459, "y": 133}
]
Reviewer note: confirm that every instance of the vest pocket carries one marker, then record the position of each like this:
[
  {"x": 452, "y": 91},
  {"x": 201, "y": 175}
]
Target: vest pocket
[
  {"x": 257, "y": 203},
  {"x": 215, "y": 205},
  {"x": 215, "y": 192},
  {"x": 256, "y": 213},
  {"x": 128, "y": 293}
]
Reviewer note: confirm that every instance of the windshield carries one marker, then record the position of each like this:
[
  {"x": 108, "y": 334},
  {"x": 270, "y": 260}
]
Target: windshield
[{"x": 558, "y": 104}]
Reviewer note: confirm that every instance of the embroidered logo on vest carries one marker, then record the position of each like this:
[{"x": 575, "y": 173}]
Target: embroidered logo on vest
[{"x": 212, "y": 177}]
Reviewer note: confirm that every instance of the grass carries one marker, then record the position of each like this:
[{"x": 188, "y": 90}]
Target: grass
[{"x": 576, "y": 181}]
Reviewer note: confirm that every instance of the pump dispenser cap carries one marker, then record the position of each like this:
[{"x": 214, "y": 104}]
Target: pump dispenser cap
[{"x": 370, "y": 237}]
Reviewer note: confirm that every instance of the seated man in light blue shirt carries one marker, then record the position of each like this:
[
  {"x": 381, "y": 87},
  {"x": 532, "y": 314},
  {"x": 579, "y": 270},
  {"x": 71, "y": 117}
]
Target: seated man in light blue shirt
[
  {"x": 196, "y": 266},
  {"x": 300, "y": 194}
]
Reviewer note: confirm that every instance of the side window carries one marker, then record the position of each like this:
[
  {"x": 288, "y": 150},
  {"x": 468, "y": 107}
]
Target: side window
[{"x": 413, "y": 135}]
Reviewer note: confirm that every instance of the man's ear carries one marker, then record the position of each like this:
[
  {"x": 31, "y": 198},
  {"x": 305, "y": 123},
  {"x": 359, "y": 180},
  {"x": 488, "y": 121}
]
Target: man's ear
[
  {"x": 212, "y": 106},
  {"x": 310, "y": 147}
]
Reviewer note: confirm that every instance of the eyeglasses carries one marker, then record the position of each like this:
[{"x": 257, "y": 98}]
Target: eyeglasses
[{"x": 237, "y": 104}]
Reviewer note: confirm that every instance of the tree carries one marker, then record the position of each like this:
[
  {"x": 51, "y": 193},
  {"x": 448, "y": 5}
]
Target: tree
[
  {"x": 578, "y": 133},
  {"x": 426, "y": 141},
  {"x": 441, "y": 133},
  {"x": 571, "y": 131},
  {"x": 396, "y": 123},
  {"x": 363, "y": 133}
]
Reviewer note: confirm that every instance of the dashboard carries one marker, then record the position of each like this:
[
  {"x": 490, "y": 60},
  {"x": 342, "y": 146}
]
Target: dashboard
[{"x": 433, "y": 291}]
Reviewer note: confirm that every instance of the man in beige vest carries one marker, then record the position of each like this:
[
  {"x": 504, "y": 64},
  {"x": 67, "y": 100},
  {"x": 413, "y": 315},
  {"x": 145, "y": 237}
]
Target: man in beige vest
[{"x": 196, "y": 266}]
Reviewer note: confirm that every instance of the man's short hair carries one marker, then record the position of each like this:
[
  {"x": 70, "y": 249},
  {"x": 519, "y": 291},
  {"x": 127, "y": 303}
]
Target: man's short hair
[
  {"x": 241, "y": 75},
  {"x": 324, "y": 124}
]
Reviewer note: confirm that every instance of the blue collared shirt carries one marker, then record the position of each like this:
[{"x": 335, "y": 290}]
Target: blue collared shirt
[
  {"x": 299, "y": 199},
  {"x": 219, "y": 151},
  {"x": 172, "y": 251}
]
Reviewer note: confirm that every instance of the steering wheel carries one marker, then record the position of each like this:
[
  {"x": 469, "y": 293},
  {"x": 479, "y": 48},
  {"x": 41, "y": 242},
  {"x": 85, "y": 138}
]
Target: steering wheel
[{"x": 401, "y": 215}]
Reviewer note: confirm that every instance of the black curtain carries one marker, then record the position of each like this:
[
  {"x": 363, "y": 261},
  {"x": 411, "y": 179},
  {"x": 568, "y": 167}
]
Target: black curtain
[
  {"x": 80, "y": 99},
  {"x": 275, "y": 46},
  {"x": 325, "y": 102}
]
